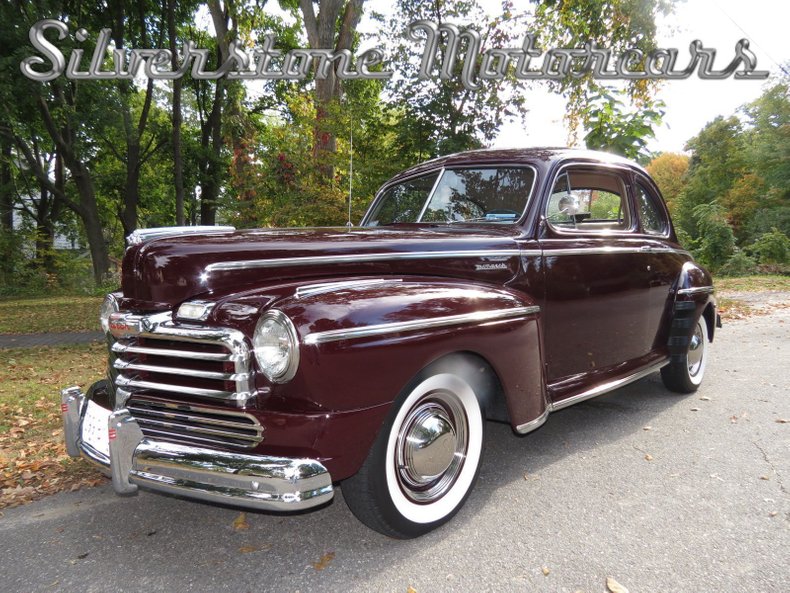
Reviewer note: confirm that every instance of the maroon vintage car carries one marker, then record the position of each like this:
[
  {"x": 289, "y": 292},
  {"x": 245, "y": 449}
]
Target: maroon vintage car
[{"x": 260, "y": 368}]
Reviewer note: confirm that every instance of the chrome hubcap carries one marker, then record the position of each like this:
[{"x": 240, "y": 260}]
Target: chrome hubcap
[
  {"x": 431, "y": 447},
  {"x": 696, "y": 351}
]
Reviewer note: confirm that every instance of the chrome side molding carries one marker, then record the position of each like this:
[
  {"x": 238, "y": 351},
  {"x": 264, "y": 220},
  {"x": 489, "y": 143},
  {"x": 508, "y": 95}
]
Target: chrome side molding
[
  {"x": 144, "y": 235},
  {"x": 308, "y": 260},
  {"x": 479, "y": 317},
  {"x": 608, "y": 386},
  {"x": 588, "y": 394}
]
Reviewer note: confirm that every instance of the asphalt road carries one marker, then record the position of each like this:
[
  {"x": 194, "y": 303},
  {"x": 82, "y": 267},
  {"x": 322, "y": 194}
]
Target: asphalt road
[{"x": 697, "y": 503}]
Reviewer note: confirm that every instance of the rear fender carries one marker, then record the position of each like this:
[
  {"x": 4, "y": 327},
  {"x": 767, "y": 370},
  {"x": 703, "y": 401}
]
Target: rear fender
[{"x": 692, "y": 296}]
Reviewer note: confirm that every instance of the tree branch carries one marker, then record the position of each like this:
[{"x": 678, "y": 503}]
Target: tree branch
[
  {"x": 351, "y": 18},
  {"x": 310, "y": 23}
]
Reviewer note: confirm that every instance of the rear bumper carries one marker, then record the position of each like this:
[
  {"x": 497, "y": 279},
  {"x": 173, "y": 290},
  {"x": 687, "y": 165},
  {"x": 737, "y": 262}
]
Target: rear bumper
[{"x": 251, "y": 481}]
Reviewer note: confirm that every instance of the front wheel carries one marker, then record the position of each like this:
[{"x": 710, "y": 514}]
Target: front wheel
[
  {"x": 685, "y": 375},
  {"x": 424, "y": 462}
]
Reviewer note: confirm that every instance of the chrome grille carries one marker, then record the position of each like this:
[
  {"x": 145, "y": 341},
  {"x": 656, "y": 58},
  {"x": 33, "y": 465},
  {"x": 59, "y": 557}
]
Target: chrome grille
[
  {"x": 190, "y": 361},
  {"x": 195, "y": 424}
]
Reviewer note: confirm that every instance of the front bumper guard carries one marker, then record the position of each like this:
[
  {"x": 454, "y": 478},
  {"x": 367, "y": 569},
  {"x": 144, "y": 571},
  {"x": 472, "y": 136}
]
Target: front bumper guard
[{"x": 251, "y": 481}]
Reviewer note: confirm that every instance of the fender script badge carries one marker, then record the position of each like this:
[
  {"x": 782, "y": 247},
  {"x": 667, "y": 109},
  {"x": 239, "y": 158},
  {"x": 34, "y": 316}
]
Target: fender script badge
[{"x": 490, "y": 267}]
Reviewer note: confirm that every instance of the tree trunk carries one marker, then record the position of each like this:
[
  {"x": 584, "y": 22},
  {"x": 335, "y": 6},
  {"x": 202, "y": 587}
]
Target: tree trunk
[
  {"x": 211, "y": 139},
  {"x": 6, "y": 193},
  {"x": 90, "y": 218},
  {"x": 131, "y": 189},
  {"x": 178, "y": 161},
  {"x": 323, "y": 33}
]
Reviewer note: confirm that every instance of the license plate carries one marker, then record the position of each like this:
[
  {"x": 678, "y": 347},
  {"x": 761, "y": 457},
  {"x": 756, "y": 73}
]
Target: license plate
[{"x": 94, "y": 428}]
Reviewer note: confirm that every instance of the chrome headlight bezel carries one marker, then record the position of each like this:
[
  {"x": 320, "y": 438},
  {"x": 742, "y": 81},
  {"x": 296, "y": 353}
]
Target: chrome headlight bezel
[
  {"x": 283, "y": 322},
  {"x": 108, "y": 307}
]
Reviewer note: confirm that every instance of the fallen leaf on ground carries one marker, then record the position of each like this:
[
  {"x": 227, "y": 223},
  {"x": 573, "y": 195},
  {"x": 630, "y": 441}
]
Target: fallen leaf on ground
[
  {"x": 545, "y": 570},
  {"x": 325, "y": 560},
  {"x": 614, "y": 586},
  {"x": 411, "y": 590},
  {"x": 764, "y": 478},
  {"x": 648, "y": 457},
  {"x": 247, "y": 549},
  {"x": 240, "y": 522}
]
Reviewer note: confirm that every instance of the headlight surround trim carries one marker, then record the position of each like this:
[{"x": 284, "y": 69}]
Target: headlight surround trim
[{"x": 288, "y": 331}]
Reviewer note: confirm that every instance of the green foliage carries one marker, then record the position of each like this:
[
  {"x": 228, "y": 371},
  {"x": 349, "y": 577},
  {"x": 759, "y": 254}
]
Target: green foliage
[
  {"x": 716, "y": 242},
  {"x": 739, "y": 264},
  {"x": 613, "y": 128},
  {"x": 615, "y": 24},
  {"x": 437, "y": 117},
  {"x": 772, "y": 247}
]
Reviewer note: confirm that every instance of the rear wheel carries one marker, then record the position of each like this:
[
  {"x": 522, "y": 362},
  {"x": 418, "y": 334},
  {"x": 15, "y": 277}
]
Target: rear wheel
[
  {"x": 425, "y": 460},
  {"x": 685, "y": 375}
]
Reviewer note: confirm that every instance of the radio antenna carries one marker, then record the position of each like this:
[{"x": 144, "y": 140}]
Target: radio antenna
[{"x": 349, "y": 224}]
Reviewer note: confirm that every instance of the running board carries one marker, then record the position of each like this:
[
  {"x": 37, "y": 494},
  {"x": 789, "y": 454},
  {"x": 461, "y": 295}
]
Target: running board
[{"x": 589, "y": 394}]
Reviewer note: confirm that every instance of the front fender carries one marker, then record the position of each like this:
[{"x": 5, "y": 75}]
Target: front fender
[{"x": 361, "y": 342}]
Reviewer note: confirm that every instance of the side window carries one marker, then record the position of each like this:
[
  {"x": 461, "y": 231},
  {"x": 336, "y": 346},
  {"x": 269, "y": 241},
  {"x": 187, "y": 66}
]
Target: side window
[
  {"x": 589, "y": 201},
  {"x": 403, "y": 202},
  {"x": 651, "y": 214}
]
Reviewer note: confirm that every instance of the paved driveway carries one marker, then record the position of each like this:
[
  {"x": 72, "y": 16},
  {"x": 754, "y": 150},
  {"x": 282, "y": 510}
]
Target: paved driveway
[{"x": 696, "y": 503}]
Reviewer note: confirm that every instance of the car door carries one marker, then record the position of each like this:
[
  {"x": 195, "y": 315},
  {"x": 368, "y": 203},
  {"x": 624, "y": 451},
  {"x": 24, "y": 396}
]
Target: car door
[{"x": 596, "y": 288}]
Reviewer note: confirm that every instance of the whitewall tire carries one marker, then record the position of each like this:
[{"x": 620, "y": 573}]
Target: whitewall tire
[{"x": 424, "y": 462}]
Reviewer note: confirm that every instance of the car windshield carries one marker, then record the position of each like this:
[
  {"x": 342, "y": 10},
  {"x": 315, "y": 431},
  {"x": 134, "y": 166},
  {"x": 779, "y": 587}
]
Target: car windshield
[{"x": 490, "y": 194}]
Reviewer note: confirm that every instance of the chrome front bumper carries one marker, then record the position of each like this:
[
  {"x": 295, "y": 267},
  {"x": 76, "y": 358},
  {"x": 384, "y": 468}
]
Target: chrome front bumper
[{"x": 252, "y": 481}]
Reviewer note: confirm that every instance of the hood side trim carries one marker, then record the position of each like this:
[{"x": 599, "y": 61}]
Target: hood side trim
[{"x": 360, "y": 257}]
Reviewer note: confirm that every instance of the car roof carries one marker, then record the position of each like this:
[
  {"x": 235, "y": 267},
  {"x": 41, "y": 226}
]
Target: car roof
[{"x": 515, "y": 156}]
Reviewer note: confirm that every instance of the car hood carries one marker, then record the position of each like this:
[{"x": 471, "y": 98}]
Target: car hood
[{"x": 163, "y": 272}]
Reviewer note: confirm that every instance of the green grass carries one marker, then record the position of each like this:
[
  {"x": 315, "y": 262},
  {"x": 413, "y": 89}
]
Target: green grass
[
  {"x": 33, "y": 459},
  {"x": 50, "y": 314},
  {"x": 753, "y": 283}
]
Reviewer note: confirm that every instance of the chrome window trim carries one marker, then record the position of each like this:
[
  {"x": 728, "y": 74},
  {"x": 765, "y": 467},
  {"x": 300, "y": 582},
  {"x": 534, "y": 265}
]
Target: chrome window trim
[
  {"x": 479, "y": 317},
  {"x": 430, "y": 193},
  {"x": 640, "y": 180},
  {"x": 310, "y": 260},
  {"x": 578, "y": 233},
  {"x": 521, "y": 215},
  {"x": 696, "y": 290},
  {"x": 386, "y": 186},
  {"x": 611, "y": 250}
]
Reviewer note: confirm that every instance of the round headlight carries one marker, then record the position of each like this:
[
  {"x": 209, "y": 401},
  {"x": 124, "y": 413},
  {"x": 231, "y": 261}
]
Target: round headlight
[
  {"x": 108, "y": 307},
  {"x": 276, "y": 346}
]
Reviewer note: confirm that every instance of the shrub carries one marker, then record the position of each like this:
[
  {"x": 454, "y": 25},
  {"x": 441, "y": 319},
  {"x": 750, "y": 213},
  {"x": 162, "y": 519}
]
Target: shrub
[
  {"x": 739, "y": 264},
  {"x": 772, "y": 247}
]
